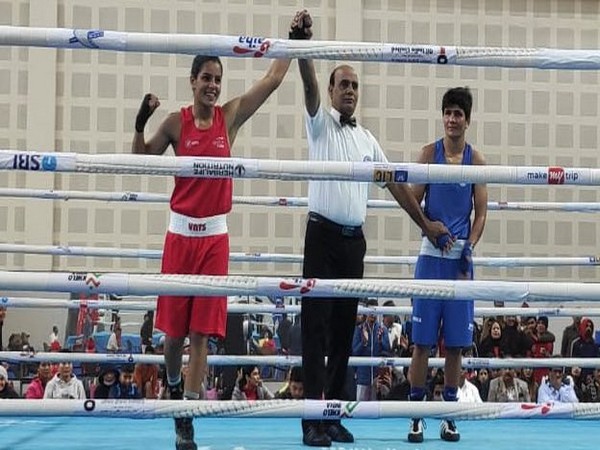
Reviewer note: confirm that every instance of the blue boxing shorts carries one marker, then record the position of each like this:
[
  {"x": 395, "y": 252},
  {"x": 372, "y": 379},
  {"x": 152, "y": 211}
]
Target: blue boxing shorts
[{"x": 433, "y": 318}]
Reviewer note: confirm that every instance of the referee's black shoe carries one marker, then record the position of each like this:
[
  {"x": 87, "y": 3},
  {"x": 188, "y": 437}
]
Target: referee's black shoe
[{"x": 313, "y": 434}]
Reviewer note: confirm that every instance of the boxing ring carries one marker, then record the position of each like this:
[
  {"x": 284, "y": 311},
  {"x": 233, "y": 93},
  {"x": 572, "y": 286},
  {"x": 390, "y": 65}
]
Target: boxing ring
[
  {"x": 241, "y": 434},
  {"x": 241, "y": 426}
]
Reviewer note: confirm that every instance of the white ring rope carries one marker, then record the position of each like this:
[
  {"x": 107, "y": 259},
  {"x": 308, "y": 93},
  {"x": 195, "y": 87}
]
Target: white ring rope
[
  {"x": 185, "y": 166},
  {"x": 204, "y": 285},
  {"x": 245, "y": 360},
  {"x": 111, "y": 252},
  {"x": 142, "y": 197},
  {"x": 245, "y": 308},
  {"x": 261, "y": 47},
  {"x": 305, "y": 409}
]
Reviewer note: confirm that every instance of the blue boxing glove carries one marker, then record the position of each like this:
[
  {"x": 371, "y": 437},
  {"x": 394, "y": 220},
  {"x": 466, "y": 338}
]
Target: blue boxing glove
[{"x": 465, "y": 264}]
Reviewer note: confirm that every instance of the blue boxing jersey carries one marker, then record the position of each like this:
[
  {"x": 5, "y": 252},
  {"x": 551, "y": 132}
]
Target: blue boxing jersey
[{"x": 451, "y": 203}]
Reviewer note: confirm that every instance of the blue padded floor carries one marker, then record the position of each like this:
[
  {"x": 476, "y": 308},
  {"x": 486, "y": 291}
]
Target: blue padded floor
[{"x": 56, "y": 433}]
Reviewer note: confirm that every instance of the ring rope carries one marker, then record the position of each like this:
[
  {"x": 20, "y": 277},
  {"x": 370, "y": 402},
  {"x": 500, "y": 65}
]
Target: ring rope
[
  {"x": 245, "y": 308},
  {"x": 305, "y": 409},
  {"x": 187, "y": 166},
  {"x": 245, "y": 360},
  {"x": 63, "y": 250},
  {"x": 261, "y": 47},
  {"x": 206, "y": 285},
  {"x": 142, "y": 197}
]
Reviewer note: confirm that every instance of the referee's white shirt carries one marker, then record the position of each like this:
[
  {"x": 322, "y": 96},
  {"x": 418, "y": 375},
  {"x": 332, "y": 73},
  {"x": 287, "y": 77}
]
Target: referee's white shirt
[{"x": 343, "y": 202}]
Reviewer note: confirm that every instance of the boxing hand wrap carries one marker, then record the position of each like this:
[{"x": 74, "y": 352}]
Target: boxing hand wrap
[
  {"x": 442, "y": 241},
  {"x": 143, "y": 114},
  {"x": 466, "y": 259}
]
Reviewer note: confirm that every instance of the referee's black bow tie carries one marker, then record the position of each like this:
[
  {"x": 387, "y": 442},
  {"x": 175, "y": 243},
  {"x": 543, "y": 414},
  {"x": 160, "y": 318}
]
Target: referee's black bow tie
[{"x": 345, "y": 120}]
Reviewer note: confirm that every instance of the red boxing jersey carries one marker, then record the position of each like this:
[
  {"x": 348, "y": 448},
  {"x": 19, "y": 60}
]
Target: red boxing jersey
[{"x": 203, "y": 197}]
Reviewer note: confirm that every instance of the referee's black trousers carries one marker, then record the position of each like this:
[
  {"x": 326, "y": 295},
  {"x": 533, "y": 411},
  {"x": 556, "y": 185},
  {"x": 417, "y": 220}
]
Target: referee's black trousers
[{"x": 328, "y": 324}]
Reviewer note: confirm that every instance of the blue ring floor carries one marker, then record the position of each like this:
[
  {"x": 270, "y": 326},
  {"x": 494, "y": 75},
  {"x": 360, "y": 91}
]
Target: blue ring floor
[{"x": 78, "y": 433}]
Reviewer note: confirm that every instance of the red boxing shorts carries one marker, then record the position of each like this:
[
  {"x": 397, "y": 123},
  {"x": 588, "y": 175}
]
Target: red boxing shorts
[{"x": 178, "y": 316}]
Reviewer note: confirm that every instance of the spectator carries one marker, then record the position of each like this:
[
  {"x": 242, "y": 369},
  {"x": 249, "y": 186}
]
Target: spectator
[
  {"x": 65, "y": 384},
  {"x": 467, "y": 391},
  {"x": 394, "y": 330},
  {"x": 482, "y": 382},
  {"x": 294, "y": 388},
  {"x": 107, "y": 383},
  {"x": 115, "y": 343},
  {"x": 590, "y": 388},
  {"x": 516, "y": 344},
  {"x": 370, "y": 339},
  {"x": 284, "y": 333},
  {"x": 436, "y": 386},
  {"x": 53, "y": 340},
  {"x": 266, "y": 343},
  {"x": 391, "y": 384},
  {"x": 249, "y": 386},
  {"x": 296, "y": 336},
  {"x": 543, "y": 345},
  {"x": 36, "y": 388},
  {"x": 570, "y": 333},
  {"x": 493, "y": 345},
  {"x": 508, "y": 388},
  {"x": 6, "y": 389},
  {"x": 532, "y": 385},
  {"x": 2, "y": 317},
  {"x": 584, "y": 346},
  {"x": 147, "y": 330},
  {"x": 126, "y": 388},
  {"x": 555, "y": 387},
  {"x": 146, "y": 377}
]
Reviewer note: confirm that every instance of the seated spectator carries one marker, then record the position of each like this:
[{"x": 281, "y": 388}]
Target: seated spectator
[
  {"x": 391, "y": 384},
  {"x": 107, "y": 383},
  {"x": 532, "y": 385},
  {"x": 590, "y": 388},
  {"x": 482, "y": 383},
  {"x": 146, "y": 377},
  {"x": 6, "y": 389},
  {"x": 467, "y": 391},
  {"x": 36, "y": 388},
  {"x": 508, "y": 388},
  {"x": 249, "y": 386},
  {"x": 113, "y": 383},
  {"x": 65, "y": 384},
  {"x": 294, "y": 388},
  {"x": 557, "y": 388},
  {"x": 126, "y": 387}
]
